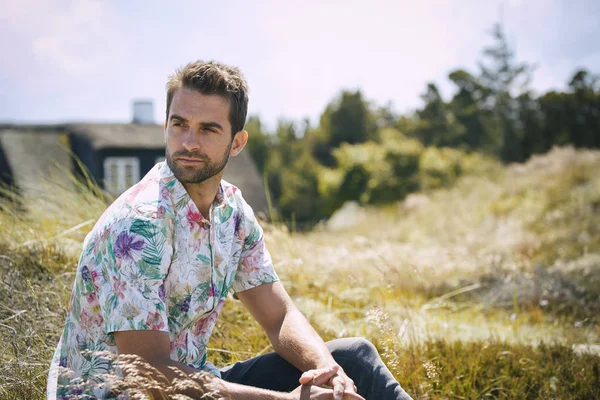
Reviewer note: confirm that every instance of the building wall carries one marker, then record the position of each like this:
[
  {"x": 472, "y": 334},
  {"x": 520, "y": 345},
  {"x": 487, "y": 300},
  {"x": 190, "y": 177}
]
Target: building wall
[
  {"x": 240, "y": 171},
  {"x": 86, "y": 158},
  {"x": 147, "y": 158},
  {"x": 6, "y": 175}
]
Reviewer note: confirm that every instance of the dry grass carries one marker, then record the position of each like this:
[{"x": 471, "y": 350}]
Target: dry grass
[{"x": 488, "y": 289}]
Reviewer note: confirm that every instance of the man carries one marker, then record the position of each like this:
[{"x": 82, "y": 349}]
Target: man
[{"x": 157, "y": 267}]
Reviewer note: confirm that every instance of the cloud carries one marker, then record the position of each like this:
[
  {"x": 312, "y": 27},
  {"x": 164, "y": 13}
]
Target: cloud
[
  {"x": 72, "y": 39},
  {"x": 66, "y": 37},
  {"x": 389, "y": 49},
  {"x": 68, "y": 56},
  {"x": 67, "y": 41}
]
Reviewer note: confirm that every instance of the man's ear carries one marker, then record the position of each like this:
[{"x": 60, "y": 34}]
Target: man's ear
[{"x": 239, "y": 141}]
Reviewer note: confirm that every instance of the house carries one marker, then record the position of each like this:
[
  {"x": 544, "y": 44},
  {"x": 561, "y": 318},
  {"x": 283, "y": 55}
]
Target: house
[
  {"x": 115, "y": 155},
  {"x": 32, "y": 153}
]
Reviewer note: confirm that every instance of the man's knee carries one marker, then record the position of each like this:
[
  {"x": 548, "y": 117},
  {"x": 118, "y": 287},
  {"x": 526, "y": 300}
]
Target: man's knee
[{"x": 355, "y": 348}]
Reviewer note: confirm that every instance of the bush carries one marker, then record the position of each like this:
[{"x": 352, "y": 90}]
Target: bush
[
  {"x": 329, "y": 181},
  {"x": 299, "y": 199},
  {"x": 379, "y": 172},
  {"x": 442, "y": 166},
  {"x": 439, "y": 167},
  {"x": 402, "y": 171}
]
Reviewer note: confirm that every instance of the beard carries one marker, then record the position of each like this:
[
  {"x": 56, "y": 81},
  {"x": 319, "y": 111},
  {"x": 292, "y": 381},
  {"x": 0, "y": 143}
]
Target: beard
[{"x": 198, "y": 174}]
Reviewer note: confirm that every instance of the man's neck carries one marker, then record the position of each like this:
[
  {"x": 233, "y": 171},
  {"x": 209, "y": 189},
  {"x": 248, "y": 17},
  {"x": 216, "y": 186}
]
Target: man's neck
[{"x": 203, "y": 194}]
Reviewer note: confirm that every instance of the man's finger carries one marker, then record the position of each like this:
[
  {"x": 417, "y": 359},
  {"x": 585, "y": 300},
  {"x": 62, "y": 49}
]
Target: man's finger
[
  {"x": 338, "y": 388},
  {"x": 307, "y": 377},
  {"x": 325, "y": 375},
  {"x": 352, "y": 395},
  {"x": 346, "y": 385},
  {"x": 319, "y": 376}
]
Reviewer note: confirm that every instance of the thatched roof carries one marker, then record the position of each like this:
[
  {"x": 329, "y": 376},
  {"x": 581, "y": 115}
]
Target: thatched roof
[
  {"x": 126, "y": 136},
  {"x": 242, "y": 172},
  {"x": 36, "y": 155}
]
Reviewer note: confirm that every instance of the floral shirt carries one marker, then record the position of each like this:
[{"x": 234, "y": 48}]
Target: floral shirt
[{"x": 153, "y": 262}]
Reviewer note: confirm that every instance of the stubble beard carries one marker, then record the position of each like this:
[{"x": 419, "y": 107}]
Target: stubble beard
[{"x": 199, "y": 174}]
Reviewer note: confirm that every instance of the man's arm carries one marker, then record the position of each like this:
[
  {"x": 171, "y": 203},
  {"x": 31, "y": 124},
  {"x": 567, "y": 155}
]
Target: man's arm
[
  {"x": 294, "y": 338},
  {"x": 257, "y": 286},
  {"x": 153, "y": 347}
]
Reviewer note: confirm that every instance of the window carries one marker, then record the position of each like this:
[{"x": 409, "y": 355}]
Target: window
[{"x": 120, "y": 173}]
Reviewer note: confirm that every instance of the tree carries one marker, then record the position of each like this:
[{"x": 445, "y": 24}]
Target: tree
[
  {"x": 572, "y": 116},
  {"x": 384, "y": 116},
  {"x": 287, "y": 141},
  {"x": 506, "y": 79},
  {"x": 345, "y": 120},
  {"x": 555, "y": 117},
  {"x": 299, "y": 198},
  {"x": 584, "y": 109},
  {"x": 468, "y": 105},
  {"x": 437, "y": 126},
  {"x": 531, "y": 120},
  {"x": 259, "y": 142}
]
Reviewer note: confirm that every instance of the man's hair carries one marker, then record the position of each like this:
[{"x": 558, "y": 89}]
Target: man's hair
[{"x": 212, "y": 77}]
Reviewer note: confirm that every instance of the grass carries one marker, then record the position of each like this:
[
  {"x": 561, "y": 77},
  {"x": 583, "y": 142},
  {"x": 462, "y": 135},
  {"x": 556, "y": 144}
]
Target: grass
[{"x": 487, "y": 289}]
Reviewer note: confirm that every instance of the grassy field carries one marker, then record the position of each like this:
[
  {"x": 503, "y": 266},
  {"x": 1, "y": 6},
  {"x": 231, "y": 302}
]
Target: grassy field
[{"x": 487, "y": 289}]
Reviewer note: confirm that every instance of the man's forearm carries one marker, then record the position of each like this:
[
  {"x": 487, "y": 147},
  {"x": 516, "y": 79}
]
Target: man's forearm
[
  {"x": 298, "y": 343},
  {"x": 236, "y": 391},
  {"x": 208, "y": 383}
]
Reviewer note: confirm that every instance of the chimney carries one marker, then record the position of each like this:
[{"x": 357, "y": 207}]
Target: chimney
[{"x": 143, "y": 112}]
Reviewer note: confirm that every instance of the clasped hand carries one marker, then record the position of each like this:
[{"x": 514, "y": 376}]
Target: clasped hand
[{"x": 325, "y": 384}]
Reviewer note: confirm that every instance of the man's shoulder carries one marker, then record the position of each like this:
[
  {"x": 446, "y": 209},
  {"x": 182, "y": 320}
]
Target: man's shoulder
[
  {"x": 127, "y": 226},
  {"x": 233, "y": 194},
  {"x": 143, "y": 202}
]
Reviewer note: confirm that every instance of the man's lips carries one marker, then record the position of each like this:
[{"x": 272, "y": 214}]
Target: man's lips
[{"x": 190, "y": 161}]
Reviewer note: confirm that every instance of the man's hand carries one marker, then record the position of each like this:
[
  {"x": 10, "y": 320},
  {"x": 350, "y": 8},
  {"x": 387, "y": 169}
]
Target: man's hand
[
  {"x": 312, "y": 392},
  {"x": 333, "y": 378}
]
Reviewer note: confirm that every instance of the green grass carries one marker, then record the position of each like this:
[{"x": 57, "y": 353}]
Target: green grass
[{"x": 487, "y": 289}]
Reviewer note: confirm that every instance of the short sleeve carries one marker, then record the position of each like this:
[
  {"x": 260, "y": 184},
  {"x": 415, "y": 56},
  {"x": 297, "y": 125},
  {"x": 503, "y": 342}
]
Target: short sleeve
[
  {"x": 135, "y": 259},
  {"x": 256, "y": 266}
]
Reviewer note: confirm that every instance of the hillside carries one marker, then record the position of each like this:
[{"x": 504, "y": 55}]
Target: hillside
[{"x": 490, "y": 288}]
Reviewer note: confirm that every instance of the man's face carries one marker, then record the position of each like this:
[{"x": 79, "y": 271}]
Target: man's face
[{"x": 198, "y": 136}]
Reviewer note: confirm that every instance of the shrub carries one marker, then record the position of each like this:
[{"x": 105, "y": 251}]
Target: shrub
[
  {"x": 379, "y": 172},
  {"x": 299, "y": 199},
  {"x": 439, "y": 167}
]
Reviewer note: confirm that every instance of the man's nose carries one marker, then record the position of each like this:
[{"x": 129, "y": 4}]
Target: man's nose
[{"x": 192, "y": 140}]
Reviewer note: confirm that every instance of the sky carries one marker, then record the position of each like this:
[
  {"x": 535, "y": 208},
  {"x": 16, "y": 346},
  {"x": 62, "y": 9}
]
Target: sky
[{"x": 87, "y": 60}]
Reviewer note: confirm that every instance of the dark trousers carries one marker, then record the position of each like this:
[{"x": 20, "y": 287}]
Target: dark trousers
[{"x": 357, "y": 356}]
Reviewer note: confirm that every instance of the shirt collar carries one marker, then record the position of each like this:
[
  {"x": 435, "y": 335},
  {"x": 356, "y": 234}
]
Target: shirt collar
[{"x": 180, "y": 195}]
